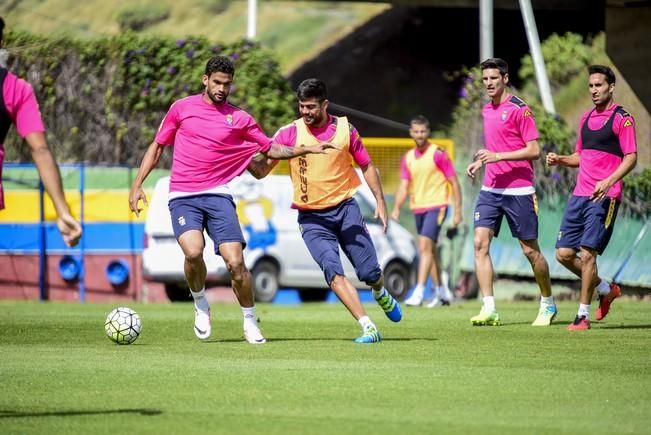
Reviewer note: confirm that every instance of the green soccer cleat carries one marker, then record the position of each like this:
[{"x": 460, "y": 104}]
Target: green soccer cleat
[
  {"x": 370, "y": 335},
  {"x": 546, "y": 315},
  {"x": 486, "y": 318},
  {"x": 389, "y": 305}
]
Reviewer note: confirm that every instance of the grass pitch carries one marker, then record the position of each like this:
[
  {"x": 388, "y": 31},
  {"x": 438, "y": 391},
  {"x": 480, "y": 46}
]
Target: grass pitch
[{"x": 433, "y": 373}]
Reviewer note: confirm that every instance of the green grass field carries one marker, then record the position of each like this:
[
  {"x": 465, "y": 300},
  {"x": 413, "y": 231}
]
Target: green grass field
[{"x": 433, "y": 373}]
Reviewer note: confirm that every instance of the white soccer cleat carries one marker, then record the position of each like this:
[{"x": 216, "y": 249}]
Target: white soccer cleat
[
  {"x": 202, "y": 327},
  {"x": 253, "y": 335},
  {"x": 415, "y": 299}
]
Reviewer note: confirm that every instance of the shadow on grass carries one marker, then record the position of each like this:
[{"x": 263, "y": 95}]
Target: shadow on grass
[
  {"x": 278, "y": 339},
  {"x": 598, "y": 326},
  {"x": 72, "y": 413}
]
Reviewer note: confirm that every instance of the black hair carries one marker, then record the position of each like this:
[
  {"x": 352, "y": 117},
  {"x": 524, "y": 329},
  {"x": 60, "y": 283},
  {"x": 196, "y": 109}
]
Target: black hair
[
  {"x": 495, "y": 63},
  {"x": 312, "y": 88},
  {"x": 419, "y": 119},
  {"x": 2, "y": 27},
  {"x": 219, "y": 64},
  {"x": 605, "y": 70}
]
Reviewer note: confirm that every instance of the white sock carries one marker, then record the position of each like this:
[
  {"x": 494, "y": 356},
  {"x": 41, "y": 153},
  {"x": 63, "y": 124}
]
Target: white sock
[
  {"x": 584, "y": 310},
  {"x": 603, "y": 288},
  {"x": 489, "y": 303},
  {"x": 379, "y": 293},
  {"x": 365, "y": 322},
  {"x": 547, "y": 300},
  {"x": 250, "y": 318},
  {"x": 200, "y": 301}
]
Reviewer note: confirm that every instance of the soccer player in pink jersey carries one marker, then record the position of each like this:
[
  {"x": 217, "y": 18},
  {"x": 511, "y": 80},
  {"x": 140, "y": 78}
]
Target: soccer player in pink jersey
[
  {"x": 511, "y": 145},
  {"x": 426, "y": 174},
  {"x": 18, "y": 105},
  {"x": 328, "y": 215},
  {"x": 605, "y": 152},
  {"x": 213, "y": 142}
]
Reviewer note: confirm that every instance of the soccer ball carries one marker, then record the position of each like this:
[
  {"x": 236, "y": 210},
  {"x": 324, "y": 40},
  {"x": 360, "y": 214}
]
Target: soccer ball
[{"x": 123, "y": 325}]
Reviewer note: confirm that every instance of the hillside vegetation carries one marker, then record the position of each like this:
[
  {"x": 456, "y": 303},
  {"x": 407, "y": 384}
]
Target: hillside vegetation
[{"x": 295, "y": 30}]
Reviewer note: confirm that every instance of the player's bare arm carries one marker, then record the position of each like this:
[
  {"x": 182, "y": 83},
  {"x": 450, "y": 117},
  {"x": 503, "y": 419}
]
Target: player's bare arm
[
  {"x": 261, "y": 166},
  {"x": 282, "y": 152},
  {"x": 456, "y": 191},
  {"x": 601, "y": 188},
  {"x": 401, "y": 197},
  {"x": 472, "y": 168},
  {"x": 149, "y": 162},
  {"x": 48, "y": 170},
  {"x": 372, "y": 177},
  {"x": 554, "y": 159},
  {"x": 531, "y": 151}
]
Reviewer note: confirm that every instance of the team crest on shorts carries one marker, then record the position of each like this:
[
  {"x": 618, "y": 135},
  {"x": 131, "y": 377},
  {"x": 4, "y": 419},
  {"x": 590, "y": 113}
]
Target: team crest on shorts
[
  {"x": 477, "y": 216},
  {"x": 560, "y": 235},
  {"x": 181, "y": 220},
  {"x": 229, "y": 119},
  {"x": 504, "y": 115}
]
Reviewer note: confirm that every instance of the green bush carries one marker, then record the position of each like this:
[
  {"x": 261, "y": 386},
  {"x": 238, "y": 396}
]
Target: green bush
[
  {"x": 565, "y": 57},
  {"x": 140, "y": 17},
  {"x": 102, "y": 100}
]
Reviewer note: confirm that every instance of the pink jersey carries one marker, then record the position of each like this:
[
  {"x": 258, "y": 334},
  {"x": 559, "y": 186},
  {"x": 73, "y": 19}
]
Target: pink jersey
[
  {"x": 596, "y": 165},
  {"x": 212, "y": 143},
  {"x": 508, "y": 127},
  {"x": 21, "y": 106},
  {"x": 287, "y": 136},
  {"x": 441, "y": 161}
]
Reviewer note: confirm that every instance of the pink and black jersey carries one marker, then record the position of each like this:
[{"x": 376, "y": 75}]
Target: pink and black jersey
[
  {"x": 604, "y": 139},
  {"x": 213, "y": 143},
  {"x": 18, "y": 105},
  {"x": 508, "y": 126}
]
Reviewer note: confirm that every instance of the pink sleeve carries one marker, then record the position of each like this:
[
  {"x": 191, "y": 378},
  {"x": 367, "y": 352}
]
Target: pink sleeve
[
  {"x": 527, "y": 124},
  {"x": 357, "y": 149},
  {"x": 255, "y": 134},
  {"x": 286, "y": 136},
  {"x": 624, "y": 128},
  {"x": 404, "y": 170},
  {"x": 444, "y": 164},
  {"x": 169, "y": 126},
  {"x": 22, "y": 106}
]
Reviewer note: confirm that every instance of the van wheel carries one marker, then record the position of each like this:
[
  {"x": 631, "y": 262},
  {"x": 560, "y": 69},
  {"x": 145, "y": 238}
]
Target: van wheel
[
  {"x": 313, "y": 294},
  {"x": 264, "y": 279},
  {"x": 177, "y": 293},
  {"x": 397, "y": 279}
]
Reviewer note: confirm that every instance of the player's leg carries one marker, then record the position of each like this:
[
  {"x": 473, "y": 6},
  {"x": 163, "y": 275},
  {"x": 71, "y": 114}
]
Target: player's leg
[
  {"x": 225, "y": 231},
  {"x": 600, "y": 220},
  {"x": 430, "y": 232},
  {"x": 488, "y": 219},
  {"x": 424, "y": 268},
  {"x": 522, "y": 216},
  {"x": 357, "y": 245},
  {"x": 319, "y": 234},
  {"x": 187, "y": 223}
]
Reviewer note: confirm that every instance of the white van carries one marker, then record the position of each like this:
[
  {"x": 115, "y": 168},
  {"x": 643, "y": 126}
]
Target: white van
[{"x": 275, "y": 254}]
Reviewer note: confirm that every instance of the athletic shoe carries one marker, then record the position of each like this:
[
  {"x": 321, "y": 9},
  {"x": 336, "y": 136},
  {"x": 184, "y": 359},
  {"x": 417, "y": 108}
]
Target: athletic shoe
[
  {"x": 606, "y": 300},
  {"x": 546, "y": 314},
  {"x": 415, "y": 299},
  {"x": 580, "y": 323},
  {"x": 486, "y": 318},
  {"x": 253, "y": 335},
  {"x": 437, "y": 302},
  {"x": 370, "y": 335},
  {"x": 202, "y": 324},
  {"x": 390, "y": 306}
]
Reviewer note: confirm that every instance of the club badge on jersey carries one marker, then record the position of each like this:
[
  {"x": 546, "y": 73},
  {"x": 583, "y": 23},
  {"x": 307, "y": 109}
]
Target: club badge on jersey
[{"x": 229, "y": 119}]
